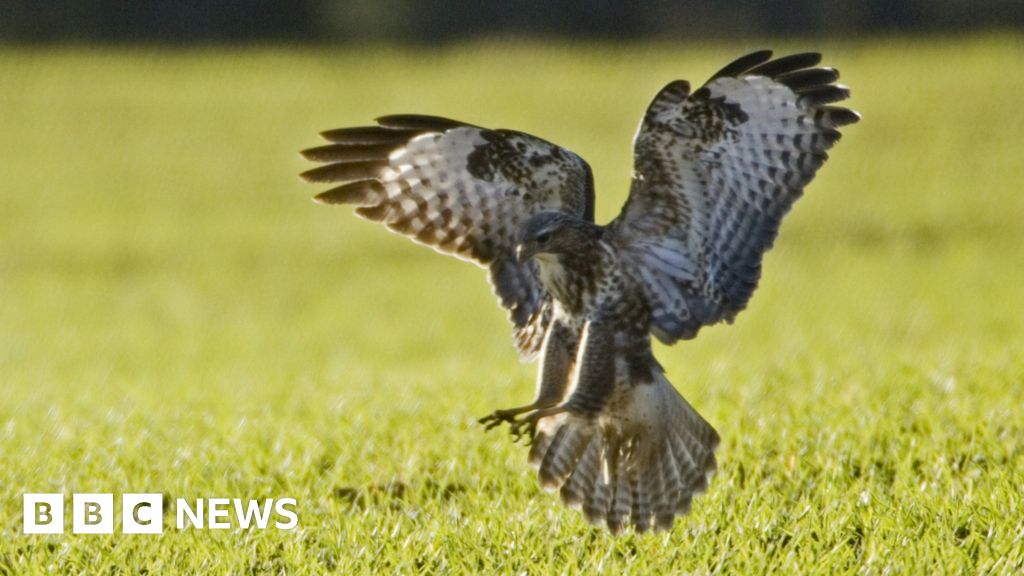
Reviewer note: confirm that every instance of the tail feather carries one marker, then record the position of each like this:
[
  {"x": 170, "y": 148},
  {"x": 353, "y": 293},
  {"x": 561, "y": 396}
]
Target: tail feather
[
  {"x": 640, "y": 462},
  {"x": 683, "y": 506},
  {"x": 664, "y": 504},
  {"x": 665, "y": 509},
  {"x": 574, "y": 491},
  {"x": 642, "y": 491},
  {"x": 542, "y": 439},
  {"x": 622, "y": 501},
  {"x": 691, "y": 471},
  {"x": 697, "y": 438},
  {"x": 595, "y": 501},
  {"x": 673, "y": 484},
  {"x": 538, "y": 448},
  {"x": 563, "y": 455}
]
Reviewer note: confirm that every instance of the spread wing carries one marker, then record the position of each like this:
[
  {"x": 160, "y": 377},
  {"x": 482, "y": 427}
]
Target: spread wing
[
  {"x": 463, "y": 190},
  {"x": 715, "y": 171}
]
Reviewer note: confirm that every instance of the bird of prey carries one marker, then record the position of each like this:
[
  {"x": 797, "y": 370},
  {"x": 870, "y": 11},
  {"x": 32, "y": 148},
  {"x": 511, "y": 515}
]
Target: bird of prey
[{"x": 715, "y": 170}]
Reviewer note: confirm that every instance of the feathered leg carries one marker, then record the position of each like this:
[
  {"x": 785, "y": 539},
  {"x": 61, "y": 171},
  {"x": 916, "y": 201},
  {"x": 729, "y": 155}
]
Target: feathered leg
[{"x": 553, "y": 380}]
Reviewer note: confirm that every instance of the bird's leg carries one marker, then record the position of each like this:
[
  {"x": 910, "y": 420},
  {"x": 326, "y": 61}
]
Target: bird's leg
[
  {"x": 527, "y": 426},
  {"x": 509, "y": 415},
  {"x": 595, "y": 380},
  {"x": 553, "y": 377}
]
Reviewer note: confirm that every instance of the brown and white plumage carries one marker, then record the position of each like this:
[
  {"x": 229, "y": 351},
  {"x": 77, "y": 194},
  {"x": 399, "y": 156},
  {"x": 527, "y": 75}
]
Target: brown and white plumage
[
  {"x": 715, "y": 171},
  {"x": 461, "y": 189}
]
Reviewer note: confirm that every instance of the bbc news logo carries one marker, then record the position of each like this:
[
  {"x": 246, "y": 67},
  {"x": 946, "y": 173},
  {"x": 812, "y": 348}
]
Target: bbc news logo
[{"x": 144, "y": 513}]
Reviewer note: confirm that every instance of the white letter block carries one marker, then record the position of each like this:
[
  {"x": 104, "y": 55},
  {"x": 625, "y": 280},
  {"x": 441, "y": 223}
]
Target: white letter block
[
  {"x": 142, "y": 513},
  {"x": 43, "y": 513},
  {"x": 93, "y": 514}
]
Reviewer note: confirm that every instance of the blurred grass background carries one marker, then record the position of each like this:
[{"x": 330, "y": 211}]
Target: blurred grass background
[{"x": 177, "y": 316}]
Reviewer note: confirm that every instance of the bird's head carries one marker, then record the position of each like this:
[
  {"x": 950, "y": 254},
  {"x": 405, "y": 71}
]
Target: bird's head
[{"x": 553, "y": 233}]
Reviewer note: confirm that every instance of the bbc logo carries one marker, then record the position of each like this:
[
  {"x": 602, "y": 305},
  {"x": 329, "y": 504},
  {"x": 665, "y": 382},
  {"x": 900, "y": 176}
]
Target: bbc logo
[
  {"x": 94, "y": 513},
  {"x": 144, "y": 513}
]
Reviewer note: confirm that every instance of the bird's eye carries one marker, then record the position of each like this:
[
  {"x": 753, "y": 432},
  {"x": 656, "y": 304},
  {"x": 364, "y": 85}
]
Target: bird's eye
[{"x": 543, "y": 238}]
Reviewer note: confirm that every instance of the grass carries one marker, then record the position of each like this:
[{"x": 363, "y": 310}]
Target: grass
[{"x": 176, "y": 316}]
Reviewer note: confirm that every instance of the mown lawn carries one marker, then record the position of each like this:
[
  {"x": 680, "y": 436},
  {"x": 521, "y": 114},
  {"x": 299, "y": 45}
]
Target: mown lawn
[{"x": 176, "y": 316}]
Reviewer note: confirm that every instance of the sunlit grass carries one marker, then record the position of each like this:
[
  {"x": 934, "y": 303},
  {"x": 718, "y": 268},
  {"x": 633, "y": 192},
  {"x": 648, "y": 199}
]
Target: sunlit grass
[{"x": 177, "y": 317}]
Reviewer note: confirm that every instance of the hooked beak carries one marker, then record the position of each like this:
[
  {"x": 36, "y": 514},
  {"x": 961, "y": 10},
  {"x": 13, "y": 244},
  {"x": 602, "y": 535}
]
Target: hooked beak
[{"x": 523, "y": 253}]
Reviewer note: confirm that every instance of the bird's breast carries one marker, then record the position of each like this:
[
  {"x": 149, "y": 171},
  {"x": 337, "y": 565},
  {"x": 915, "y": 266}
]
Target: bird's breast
[
  {"x": 582, "y": 283},
  {"x": 560, "y": 283}
]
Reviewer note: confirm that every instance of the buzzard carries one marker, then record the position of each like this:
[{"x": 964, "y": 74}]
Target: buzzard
[{"x": 715, "y": 171}]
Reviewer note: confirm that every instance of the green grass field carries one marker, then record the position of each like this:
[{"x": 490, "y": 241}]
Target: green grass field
[{"x": 176, "y": 316}]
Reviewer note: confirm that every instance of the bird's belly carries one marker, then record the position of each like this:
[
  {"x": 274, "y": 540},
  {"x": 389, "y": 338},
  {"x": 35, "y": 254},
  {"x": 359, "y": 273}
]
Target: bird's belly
[
  {"x": 634, "y": 368},
  {"x": 628, "y": 407}
]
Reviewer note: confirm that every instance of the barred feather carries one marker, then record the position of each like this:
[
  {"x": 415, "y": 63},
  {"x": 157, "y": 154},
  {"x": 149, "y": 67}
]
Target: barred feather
[
  {"x": 461, "y": 189},
  {"x": 716, "y": 171},
  {"x": 596, "y": 499},
  {"x": 622, "y": 501},
  {"x": 642, "y": 462},
  {"x": 574, "y": 491},
  {"x": 643, "y": 490},
  {"x": 563, "y": 455}
]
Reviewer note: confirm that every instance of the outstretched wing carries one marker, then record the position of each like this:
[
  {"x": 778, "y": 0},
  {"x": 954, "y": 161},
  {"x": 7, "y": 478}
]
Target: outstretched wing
[
  {"x": 714, "y": 173},
  {"x": 463, "y": 190}
]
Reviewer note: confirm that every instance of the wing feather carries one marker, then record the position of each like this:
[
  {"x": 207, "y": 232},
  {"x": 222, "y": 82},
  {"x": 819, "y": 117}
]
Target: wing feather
[
  {"x": 715, "y": 172},
  {"x": 461, "y": 189}
]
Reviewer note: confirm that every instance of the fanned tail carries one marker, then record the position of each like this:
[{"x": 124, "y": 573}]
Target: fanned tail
[{"x": 640, "y": 463}]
